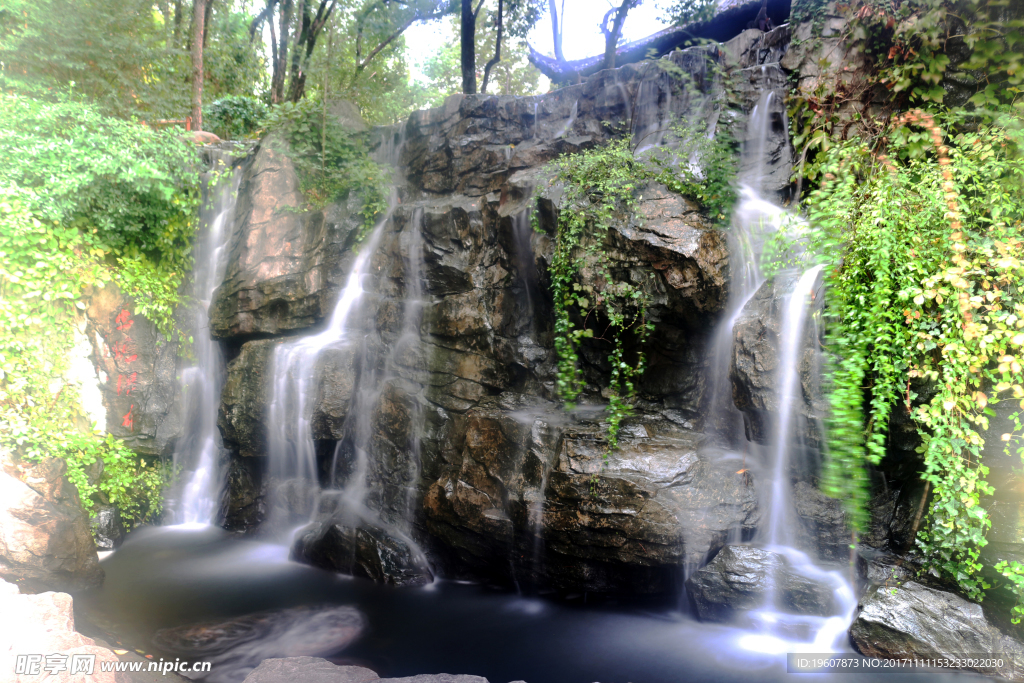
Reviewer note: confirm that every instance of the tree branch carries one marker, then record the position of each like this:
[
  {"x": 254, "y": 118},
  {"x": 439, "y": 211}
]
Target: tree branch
[
  {"x": 497, "y": 52},
  {"x": 268, "y": 11}
]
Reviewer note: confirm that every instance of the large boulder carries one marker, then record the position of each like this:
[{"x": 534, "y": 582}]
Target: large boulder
[
  {"x": 743, "y": 578},
  {"x": 916, "y": 622},
  {"x": 136, "y": 368},
  {"x": 45, "y": 541},
  {"x": 43, "y": 625},
  {"x": 370, "y": 552},
  {"x": 531, "y": 479},
  {"x": 285, "y": 264}
]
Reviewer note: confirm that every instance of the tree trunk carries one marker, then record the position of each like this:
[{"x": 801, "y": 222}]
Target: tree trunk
[
  {"x": 198, "y": 29},
  {"x": 207, "y": 23},
  {"x": 281, "y": 63},
  {"x": 556, "y": 30},
  {"x": 303, "y": 30},
  {"x": 178, "y": 15},
  {"x": 611, "y": 37},
  {"x": 497, "y": 52},
  {"x": 468, "y": 48}
]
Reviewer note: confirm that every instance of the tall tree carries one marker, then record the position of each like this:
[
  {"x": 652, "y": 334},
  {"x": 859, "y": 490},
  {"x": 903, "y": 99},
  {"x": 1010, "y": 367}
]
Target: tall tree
[
  {"x": 514, "y": 17},
  {"x": 617, "y": 15},
  {"x": 556, "y": 28},
  {"x": 468, "y": 42},
  {"x": 298, "y": 28},
  {"x": 198, "y": 35},
  {"x": 497, "y": 48}
]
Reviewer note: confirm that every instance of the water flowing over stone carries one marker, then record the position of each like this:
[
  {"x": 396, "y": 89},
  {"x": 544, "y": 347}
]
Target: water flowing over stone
[{"x": 199, "y": 452}]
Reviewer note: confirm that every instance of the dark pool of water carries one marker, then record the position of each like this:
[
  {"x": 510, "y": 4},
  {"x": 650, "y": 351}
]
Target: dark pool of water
[{"x": 170, "y": 577}]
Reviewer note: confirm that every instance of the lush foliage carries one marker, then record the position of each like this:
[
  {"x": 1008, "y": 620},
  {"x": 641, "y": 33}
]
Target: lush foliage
[
  {"x": 926, "y": 311},
  {"x": 234, "y": 116},
  {"x": 85, "y": 200},
  {"x": 602, "y": 186},
  {"x": 124, "y": 57},
  {"x": 331, "y": 162}
]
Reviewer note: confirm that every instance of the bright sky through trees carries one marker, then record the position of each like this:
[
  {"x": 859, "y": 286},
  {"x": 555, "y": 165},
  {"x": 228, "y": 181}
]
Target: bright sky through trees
[{"x": 582, "y": 37}]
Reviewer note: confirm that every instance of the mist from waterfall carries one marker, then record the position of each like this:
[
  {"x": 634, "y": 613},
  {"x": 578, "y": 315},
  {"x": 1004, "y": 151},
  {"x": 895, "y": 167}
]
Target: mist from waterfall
[{"x": 198, "y": 455}]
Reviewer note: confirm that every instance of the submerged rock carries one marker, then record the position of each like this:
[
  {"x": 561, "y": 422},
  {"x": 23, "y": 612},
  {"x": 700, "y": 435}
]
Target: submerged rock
[
  {"x": 372, "y": 553},
  {"x": 45, "y": 542},
  {"x": 743, "y": 578},
  {"x": 237, "y": 646},
  {"x": 914, "y": 621}
]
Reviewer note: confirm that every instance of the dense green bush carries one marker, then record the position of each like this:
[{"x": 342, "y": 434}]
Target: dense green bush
[
  {"x": 84, "y": 200},
  {"x": 234, "y": 116}
]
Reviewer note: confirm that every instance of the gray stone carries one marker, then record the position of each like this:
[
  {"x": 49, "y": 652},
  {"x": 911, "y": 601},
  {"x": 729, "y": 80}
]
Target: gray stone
[
  {"x": 107, "y": 528},
  {"x": 308, "y": 670},
  {"x": 821, "y": 521},
  {"x": 913, "y": 621},
  {"x": 316, "y": 670},
  {"x": 756, "y": 342},
  {"x": 743, "y": 578}
]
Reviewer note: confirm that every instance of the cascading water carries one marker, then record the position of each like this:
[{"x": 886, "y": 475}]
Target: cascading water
[
  {"x": 292, "y": 453},
  {"x": 772, "y": 630},
  {"x": 200, "y": 453}
]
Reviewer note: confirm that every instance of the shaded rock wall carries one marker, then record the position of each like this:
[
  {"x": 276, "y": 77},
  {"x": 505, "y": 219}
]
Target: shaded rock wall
[{"x": 452, "y": 371}]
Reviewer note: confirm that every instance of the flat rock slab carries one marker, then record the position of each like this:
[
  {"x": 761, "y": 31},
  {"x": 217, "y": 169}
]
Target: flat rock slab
[
  {"x": 920, "y": 622},
  {"x": 316, "y": 670}
]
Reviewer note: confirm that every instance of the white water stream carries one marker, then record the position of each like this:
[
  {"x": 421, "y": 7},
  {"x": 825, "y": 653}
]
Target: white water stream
[{"x": 199, "y": 452}]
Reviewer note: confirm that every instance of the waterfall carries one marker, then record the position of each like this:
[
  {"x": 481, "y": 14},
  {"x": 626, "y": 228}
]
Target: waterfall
[
  {"x": 199, "y": 452},
  {"x": 292, "y": 453},
  {"x": 771, "y": 628},
  {"x": 794, "y": 315}
]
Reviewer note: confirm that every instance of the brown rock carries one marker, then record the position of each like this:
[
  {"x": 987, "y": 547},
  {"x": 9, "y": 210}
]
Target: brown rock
[{"x": 45, "y": 542}]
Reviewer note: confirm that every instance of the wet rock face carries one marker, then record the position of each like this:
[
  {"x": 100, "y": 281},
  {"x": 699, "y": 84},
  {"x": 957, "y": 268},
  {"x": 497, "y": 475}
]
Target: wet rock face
[
  {"x": 914, "y": 621},
  {"x": 107, "y": 528},
  {"x": 369, "y": 552},
  {"x": 284, "y": 265},
  {"x": 743, "y": 578},
  {"x": 45, "y": 541},
  {"x": 757, "y": 338},
  {"x": 537, "y": 482},
  {"x": 448, "y": 381}
]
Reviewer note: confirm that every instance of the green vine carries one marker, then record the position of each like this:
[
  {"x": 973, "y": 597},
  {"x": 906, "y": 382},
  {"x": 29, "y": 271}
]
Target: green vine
[
  {"x": 926, "y": 292},
  {"x": 602, "y": 186}
]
